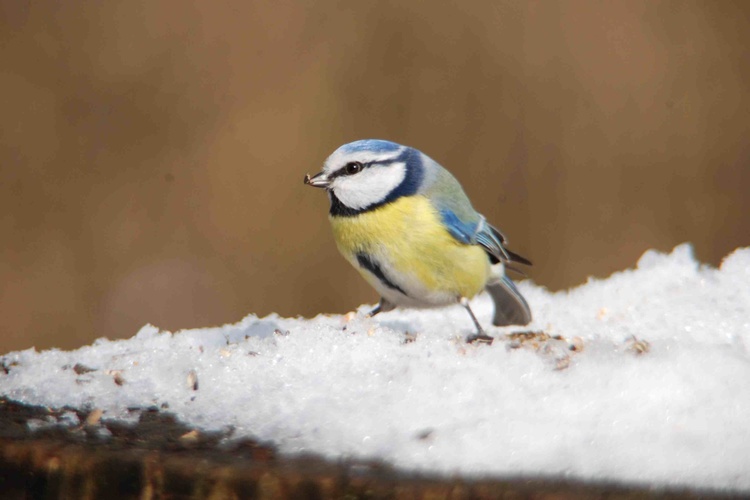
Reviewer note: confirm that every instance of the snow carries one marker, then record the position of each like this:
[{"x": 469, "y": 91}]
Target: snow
[{"x": 640, "y": 377}]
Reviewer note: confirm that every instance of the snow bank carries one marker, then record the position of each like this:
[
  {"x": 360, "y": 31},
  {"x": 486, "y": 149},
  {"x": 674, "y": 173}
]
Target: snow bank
[{"x": 641, "y": 377}]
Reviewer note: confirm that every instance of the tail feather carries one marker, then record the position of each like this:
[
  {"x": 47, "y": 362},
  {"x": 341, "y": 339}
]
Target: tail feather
[
  {"x": 510, "y": 306},
  {"x": 514, "y": 257}
]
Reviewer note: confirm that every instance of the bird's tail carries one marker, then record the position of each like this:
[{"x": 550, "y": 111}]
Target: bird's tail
[{"x": 510, "y": 306}]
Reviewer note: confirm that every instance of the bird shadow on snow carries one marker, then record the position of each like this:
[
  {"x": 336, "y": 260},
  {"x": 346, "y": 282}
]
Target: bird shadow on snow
[{"x": 404, "y": 327}]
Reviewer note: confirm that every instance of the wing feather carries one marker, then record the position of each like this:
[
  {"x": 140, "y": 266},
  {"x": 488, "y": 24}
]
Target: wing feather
[{"x": 479, "y": 232}]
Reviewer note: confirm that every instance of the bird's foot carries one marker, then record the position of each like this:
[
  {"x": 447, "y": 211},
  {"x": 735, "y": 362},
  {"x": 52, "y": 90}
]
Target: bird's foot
[
  {"x": 479, "y": 338},
  {"x": 383, "y": 306}
]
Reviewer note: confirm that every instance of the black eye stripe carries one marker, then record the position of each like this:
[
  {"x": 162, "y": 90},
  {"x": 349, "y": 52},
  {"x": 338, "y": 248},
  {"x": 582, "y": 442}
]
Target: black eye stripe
[{"x": 345, "y": 170}]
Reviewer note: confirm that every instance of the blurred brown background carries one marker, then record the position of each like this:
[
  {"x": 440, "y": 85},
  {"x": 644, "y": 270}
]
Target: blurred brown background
[{"x": 152, "y": 152}]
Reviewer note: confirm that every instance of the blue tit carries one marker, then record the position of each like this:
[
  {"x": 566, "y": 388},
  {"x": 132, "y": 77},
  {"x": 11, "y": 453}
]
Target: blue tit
[{"x": 406, "y": 225}]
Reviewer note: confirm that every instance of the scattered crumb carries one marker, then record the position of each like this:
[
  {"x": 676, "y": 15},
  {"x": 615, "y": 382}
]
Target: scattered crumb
[
  {"x": 116, "y": 376},
  {"x": 192, "y": 380},
  {"x": 527, "y": 339},
  {"x": 6, "y": 366},
  {"x": 555, "y": 348},
  {"x": 81, "y": 369},
  {"x": 576, "y": 344},
  {"x": 94, "y": 417},
  {"x": 637, "y": 346},
  {"x": 562, "y": 363},
  {"x": 190, "y": 436},
  {"x": 409, "y": 337}
]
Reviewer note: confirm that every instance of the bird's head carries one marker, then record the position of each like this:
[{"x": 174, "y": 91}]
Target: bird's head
[{"x": 366, "y": 174}]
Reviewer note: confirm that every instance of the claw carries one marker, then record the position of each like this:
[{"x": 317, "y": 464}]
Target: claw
[{"x": 479, "y": 339}]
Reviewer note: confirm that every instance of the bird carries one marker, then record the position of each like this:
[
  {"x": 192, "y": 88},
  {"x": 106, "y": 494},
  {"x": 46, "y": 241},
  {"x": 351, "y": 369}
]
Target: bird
[{"x": 405, "y": 223}]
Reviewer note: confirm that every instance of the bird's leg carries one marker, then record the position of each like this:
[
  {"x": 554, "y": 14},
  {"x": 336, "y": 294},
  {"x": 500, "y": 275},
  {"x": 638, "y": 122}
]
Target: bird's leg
[
  {"x": 383, "y": 306},
  {"x": 374, "y": 311},
  {"x": 480, "y": 336}
]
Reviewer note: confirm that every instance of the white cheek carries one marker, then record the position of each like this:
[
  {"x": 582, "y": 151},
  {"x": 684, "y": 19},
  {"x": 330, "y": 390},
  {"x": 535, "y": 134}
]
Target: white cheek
[{"x": 370, "y": 186}]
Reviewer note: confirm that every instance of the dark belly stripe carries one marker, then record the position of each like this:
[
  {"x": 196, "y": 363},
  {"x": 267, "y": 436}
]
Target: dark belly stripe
[{"x": 368, "y": 263}]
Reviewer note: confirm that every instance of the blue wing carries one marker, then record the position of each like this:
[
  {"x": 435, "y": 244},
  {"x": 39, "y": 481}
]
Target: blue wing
[
  {"x": 462, "y": 231},
  {"x": 476, "y": 232}
]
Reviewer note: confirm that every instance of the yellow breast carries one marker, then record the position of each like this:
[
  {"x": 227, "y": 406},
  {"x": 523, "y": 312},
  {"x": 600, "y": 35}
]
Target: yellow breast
[{"x": 407, "y": 237}]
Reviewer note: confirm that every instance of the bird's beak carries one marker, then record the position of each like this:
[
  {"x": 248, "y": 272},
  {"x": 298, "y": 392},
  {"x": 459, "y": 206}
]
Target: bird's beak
[{"x": 319, "y": 180}]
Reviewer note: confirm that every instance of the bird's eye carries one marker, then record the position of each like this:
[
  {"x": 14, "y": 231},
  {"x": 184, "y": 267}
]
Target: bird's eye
[{"x": 352, "y": 168}]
